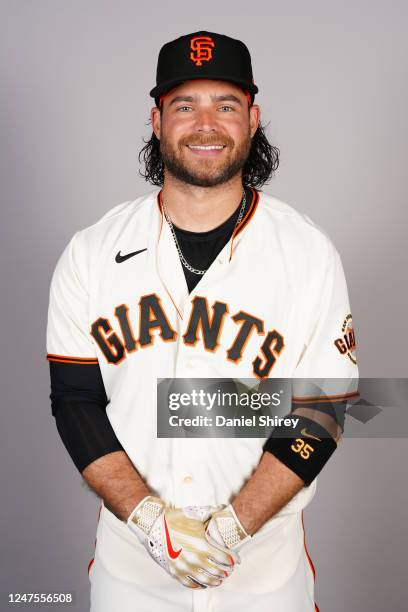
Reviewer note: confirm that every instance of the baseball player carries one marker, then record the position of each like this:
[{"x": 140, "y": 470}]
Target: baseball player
[{"x": 206, "y": 276}]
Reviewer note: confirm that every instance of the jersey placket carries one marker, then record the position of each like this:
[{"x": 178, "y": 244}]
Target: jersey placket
[{"x": 189, "y": 471}]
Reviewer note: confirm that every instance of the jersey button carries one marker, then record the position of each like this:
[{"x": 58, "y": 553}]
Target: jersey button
[{"x": 188, "y": 479}]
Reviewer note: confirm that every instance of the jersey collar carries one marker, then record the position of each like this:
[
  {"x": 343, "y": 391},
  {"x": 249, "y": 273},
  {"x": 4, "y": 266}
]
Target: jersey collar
[{"x": 226, "y": 255}]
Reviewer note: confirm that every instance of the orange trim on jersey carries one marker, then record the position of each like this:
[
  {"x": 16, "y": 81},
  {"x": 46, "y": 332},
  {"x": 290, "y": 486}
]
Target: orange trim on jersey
[
  {"x": 69, "y": 359},
  {"x": 319, "y": 399},
  {"x": 308, "y": 558},
  {"x": 307, "y": 554},
  {"x": 246, "y": 219},
  {"x": 160, "y": 205}
]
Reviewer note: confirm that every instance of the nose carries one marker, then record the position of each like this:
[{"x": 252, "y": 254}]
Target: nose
[{"x": 206, "y": 121}]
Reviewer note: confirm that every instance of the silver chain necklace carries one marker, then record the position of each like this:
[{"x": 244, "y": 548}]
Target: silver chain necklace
[{"x": 183, "y": 259}]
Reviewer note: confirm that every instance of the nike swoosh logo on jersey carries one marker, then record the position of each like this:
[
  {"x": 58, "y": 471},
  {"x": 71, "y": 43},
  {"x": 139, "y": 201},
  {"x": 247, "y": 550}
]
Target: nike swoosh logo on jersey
[
  {"x": 304, "y": 432},
  {"x": 173, "y": 554},
  {"x": 119, "y": 258}
]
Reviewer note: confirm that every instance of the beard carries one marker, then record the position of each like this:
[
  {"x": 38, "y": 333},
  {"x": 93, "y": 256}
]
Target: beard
[{"x": 204, "y": 172}]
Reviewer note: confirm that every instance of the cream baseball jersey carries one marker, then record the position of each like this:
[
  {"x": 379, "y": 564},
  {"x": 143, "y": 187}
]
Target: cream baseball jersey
[{"x": 274, "y": 303}]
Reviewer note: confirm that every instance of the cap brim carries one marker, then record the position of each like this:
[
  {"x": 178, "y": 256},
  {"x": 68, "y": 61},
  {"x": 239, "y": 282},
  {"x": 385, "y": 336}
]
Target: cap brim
[{"x": 159, "y": 90}]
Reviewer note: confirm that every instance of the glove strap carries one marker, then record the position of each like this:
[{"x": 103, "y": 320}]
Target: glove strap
[
  {"x": 230, "y": 528},
  {"x": 145, "y": 514}
]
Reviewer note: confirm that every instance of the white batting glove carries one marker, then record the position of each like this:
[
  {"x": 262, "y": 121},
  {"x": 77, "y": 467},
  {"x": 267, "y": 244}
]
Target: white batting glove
[
  {"x": 224, "y": 528},
  {"x": 175, "y": 539}
]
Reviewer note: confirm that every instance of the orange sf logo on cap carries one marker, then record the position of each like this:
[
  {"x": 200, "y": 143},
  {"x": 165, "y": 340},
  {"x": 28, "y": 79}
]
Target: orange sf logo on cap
[{"x": 201, "y": 49}]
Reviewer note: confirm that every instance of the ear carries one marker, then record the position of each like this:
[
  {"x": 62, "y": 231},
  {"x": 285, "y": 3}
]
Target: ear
[
  {"x": 254, "y": 118},
  {"x": 155, "y": 118}
]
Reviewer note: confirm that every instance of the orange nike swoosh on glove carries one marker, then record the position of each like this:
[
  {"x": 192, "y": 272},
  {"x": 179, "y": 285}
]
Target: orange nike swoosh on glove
[{"x": 173, "y": 554}]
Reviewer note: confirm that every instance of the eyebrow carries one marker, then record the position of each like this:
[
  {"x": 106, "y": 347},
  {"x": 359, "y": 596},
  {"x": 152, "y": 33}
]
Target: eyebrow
[{"x": 223, "y": 98}]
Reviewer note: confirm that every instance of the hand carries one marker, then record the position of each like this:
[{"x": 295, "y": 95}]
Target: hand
[
  {"x": 175, "y": 538},
  {"x": 225, "y": 529}
]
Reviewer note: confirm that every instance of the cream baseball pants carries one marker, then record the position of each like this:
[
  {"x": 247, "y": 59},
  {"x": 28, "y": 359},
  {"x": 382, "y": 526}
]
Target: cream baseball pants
[{"x": 145, "y": 587}]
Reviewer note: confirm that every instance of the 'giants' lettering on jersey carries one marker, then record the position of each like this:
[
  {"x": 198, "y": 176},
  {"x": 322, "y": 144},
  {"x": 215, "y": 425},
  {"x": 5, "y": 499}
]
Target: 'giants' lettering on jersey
[
  {"x": 201, "y": 327},
  {"x": 346, "y": 344}
]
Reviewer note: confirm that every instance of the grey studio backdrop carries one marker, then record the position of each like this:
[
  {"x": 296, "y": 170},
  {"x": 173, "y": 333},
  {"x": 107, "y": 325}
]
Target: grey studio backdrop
[{"x": 75, "y": 78}]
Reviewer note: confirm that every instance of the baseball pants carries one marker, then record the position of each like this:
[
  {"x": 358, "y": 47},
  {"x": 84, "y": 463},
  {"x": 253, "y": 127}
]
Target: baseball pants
[{"x": 112, "y": 591}]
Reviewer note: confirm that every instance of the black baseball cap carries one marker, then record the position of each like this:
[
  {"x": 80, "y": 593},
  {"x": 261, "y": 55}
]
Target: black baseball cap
[{"x": 203, "y": 55}]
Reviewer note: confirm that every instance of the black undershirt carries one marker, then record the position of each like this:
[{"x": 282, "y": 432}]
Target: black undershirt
[
  {"x": 78, "y": 396},
  {"x": 201, "y": 248}
]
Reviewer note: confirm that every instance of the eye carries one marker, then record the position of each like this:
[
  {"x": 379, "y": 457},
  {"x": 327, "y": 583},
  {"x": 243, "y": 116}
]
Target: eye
[
  {"x": 183, "y": 108},
  {"x": 228, "y": 108}
]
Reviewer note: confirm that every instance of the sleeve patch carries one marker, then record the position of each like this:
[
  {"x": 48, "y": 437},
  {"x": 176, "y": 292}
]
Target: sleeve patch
[{"x": 346, "y": 342}]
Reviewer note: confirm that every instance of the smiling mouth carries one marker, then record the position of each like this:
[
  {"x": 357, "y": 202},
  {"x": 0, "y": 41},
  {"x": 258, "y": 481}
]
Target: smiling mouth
[{"x": 206, "y": 147}]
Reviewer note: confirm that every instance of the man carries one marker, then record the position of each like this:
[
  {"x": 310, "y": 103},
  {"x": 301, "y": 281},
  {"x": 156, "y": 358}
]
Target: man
[{"x": 205, "y": 277}]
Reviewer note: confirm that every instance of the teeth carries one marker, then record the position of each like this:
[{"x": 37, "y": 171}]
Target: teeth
[{"x": 206, "y": 148}]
